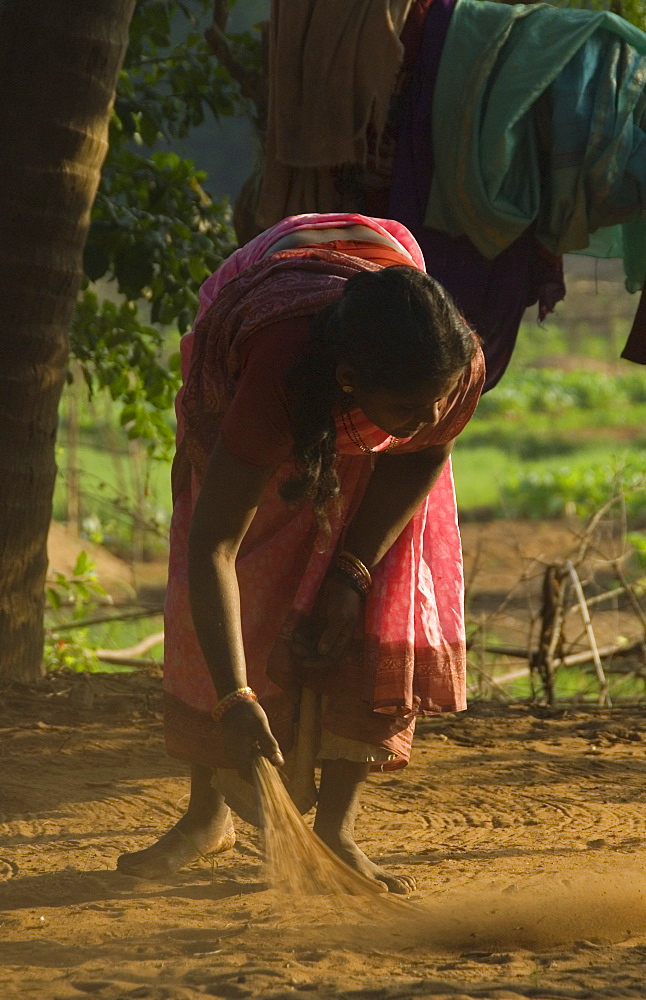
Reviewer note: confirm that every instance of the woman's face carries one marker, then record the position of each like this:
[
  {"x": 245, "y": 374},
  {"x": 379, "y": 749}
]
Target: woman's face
[{"x": 402, "y": 413}]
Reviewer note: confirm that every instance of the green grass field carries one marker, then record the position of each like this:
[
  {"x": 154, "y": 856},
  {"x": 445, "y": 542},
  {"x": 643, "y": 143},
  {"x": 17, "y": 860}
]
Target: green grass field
[
  {"x": 482, "y": 470},
  {"x": 539, "y": 421}
]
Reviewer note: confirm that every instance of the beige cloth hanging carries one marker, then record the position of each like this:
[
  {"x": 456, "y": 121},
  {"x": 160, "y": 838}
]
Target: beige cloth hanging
[{"x": 333, "y": 65}]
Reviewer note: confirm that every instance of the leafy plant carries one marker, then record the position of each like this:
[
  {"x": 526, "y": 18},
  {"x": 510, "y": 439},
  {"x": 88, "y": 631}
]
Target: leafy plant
[
  {"x": 156, "y": 234},
  {"x": 574, "y": 491},
  {"x": 553, "y": 391},
  {"x": 637, "y": 540},
  {"x": 79, "y": 592},
  {"x": 69, "y": 652},
  {"x": 120, "y": 353}
]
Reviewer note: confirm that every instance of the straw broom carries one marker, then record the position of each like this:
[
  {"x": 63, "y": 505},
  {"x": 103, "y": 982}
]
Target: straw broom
[{"x": 298, "y": 862}]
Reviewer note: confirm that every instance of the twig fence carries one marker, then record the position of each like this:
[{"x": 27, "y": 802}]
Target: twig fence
[{"x": 547, "y": 650}]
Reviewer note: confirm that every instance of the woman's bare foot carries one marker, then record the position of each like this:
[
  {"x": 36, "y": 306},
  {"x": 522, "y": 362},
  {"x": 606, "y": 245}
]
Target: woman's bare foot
[
  {"x": 338, "y": 802},
  {"x": 205, "y": 828},
  {"x": 348, "y": 851}
]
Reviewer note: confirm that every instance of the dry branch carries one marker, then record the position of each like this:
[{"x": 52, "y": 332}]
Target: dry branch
[
  {"x": 591, "y": 527},
  {"x": 152, "y": 612},
  {"x": 598, "y": 599},
  {"x": 134, "y": 662},
  {"x": 604, "y": 698},
  {"x": 131, "y": 652},
  {"x": 576, "y": 659},
  {"x": 632, "y": 596},
  {"x": 570, "y": 659},
  {"x": 252, "y": 84},
  {"x": 550, "y": 639},
  {"x": 518, "y": 652},
  {"x": 494, "y": 682}
]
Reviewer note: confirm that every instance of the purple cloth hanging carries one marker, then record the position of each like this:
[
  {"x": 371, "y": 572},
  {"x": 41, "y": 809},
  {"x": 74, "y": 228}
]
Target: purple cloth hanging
[{"x": 492, "y": 294}]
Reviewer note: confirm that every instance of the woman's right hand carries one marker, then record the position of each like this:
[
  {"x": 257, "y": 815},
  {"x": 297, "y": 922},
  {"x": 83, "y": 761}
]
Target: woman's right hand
[
  {"x": 247, "y": 735},
  {"x": 322, "y": 640}
]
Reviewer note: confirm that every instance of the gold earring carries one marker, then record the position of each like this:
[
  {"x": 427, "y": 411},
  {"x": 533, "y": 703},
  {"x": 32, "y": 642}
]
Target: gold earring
[{"x": 347, "y": 388}]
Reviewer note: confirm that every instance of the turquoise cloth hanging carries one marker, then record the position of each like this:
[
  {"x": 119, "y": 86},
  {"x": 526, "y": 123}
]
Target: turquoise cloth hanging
[{"x": 493, "y": 179}]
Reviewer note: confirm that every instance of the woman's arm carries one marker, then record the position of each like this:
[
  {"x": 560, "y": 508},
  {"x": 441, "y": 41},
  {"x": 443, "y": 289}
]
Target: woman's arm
[
  {"x": 397, "y": 487},
  {"x": 229, "y": 496}
]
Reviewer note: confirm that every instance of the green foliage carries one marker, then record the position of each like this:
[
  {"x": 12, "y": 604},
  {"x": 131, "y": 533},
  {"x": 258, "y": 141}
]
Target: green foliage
[
  {"x": 78, "y": 592},
  {"x": 170, "y": 78},
  {"x": 123, "y": 491},
  {"x": 120, "y": 353},
  {"x": 155, "y": 234},
  {"x": 69, "y": 652},
  {"x": 582, "y": 492},
  {"x": 553, "y": 391},
  {"x": 637, "y": 540}
]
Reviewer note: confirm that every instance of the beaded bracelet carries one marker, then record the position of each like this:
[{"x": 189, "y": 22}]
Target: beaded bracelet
[
  {"x": 348, "y": 557},
  {"x": 353, "y": 576},
  {"x": 240, "y": 694},
  {"x": 355, "y": 568},
  {"x": 358, "y": 586}
]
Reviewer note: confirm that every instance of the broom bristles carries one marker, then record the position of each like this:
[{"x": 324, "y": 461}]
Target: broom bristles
[{"x": 298, "y": 861}]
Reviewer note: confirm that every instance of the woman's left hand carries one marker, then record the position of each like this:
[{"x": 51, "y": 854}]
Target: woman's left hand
[{"x": 336, "y": 616}]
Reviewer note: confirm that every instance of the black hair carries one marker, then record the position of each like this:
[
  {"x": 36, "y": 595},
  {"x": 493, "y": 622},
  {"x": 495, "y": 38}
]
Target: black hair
[{"x": 396, "y": 327}]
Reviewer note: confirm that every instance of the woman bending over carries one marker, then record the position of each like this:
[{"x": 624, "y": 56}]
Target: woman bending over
[{"x": 315, "y": 564}]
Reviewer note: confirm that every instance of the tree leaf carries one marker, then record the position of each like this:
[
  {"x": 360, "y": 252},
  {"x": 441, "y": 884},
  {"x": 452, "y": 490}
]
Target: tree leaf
[
  {"x": 53, "y": 598},
  {"x": 95, "y": 261},
  {"x": 83, "y": 564}
]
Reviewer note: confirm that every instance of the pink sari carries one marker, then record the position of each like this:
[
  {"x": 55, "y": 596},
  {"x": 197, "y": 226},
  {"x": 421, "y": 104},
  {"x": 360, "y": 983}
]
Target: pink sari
[{"x": 408, "y": 657}]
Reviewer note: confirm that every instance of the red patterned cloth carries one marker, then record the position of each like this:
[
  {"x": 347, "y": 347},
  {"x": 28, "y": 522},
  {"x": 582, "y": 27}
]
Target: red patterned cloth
[{"x": 408, "y": 657}]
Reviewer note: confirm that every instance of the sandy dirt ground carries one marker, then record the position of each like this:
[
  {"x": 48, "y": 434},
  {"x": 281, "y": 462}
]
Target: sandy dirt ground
[{"x": 526, "y": 831}]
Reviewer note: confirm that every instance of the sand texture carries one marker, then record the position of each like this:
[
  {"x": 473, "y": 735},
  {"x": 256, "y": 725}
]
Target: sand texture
[{"x": 526, "y": 831}]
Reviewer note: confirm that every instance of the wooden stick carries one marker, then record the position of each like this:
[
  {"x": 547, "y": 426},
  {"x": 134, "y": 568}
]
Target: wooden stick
[
  {"x": 516, "y": 651},
  {"x": 632, "y": 596},
  {"x": 604, "y": 698},
  {"x": 104, "y": 620},
  {"x": 513, "y": 675},
  {"x": 155, "y": 664},
  {"x": 493, "y": 682},
  {"x": 124, "y": 655},
  {"x": 576, "y": 659},
  {"x": 598, "y": 598},
  {"x": 551, "y": 628}
]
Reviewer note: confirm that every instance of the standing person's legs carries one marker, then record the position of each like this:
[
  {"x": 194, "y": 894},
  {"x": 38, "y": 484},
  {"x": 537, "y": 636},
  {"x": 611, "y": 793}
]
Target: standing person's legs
[
  {"x": 340, "y": 789},
  {"x": 205, "y": 828}
]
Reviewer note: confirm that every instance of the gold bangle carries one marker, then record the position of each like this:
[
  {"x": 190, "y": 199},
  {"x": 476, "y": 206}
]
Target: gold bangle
[
  {"x": 348, "y": 557},
  {"x": 353, "y": 578},
  {"x": 229, "y": 700}
]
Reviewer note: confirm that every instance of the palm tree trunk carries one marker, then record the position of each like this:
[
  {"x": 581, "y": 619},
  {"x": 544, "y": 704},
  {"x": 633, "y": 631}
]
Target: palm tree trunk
[{"x": 59, "y": 64}]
